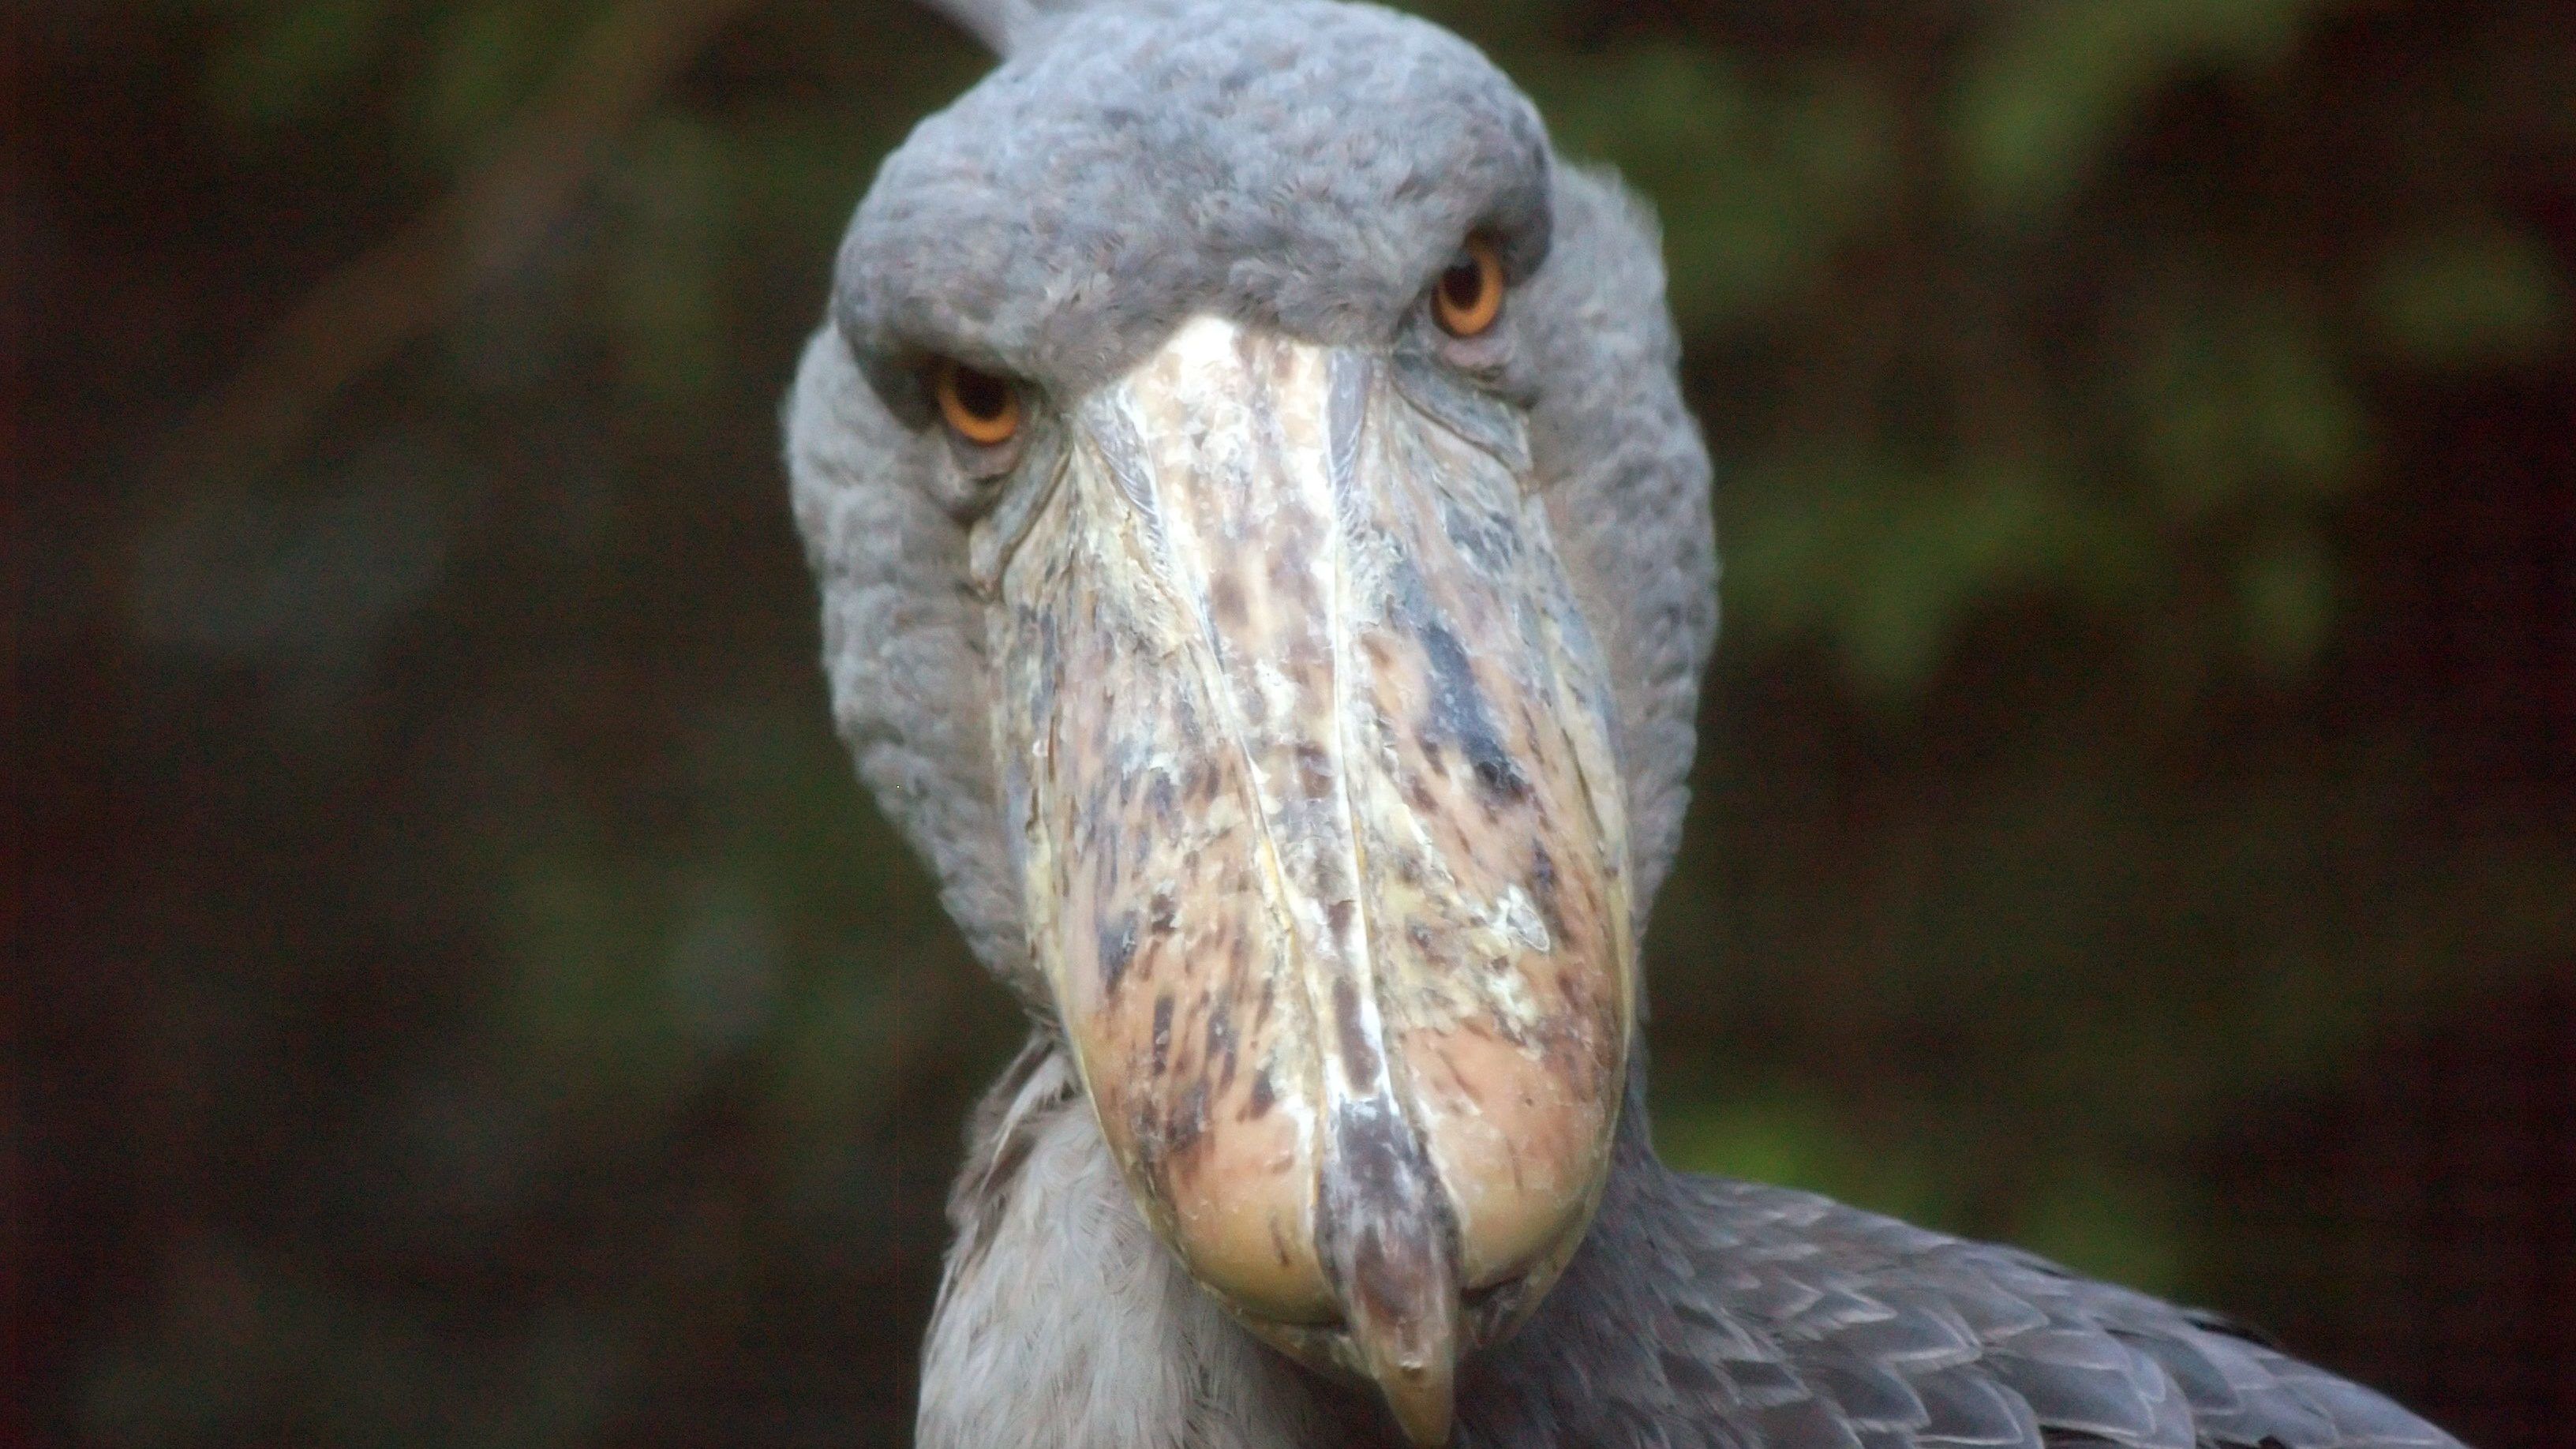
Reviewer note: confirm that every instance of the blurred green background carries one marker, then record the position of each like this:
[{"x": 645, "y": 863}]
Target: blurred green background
[{"x": 464, "y": 999}]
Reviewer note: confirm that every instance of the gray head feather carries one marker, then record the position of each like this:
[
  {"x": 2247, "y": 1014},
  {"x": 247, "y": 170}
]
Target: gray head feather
[{"x": 1301, "y": 164}]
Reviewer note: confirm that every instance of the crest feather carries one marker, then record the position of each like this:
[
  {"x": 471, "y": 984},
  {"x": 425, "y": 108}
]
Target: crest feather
[{"x": 997, "y": 23}]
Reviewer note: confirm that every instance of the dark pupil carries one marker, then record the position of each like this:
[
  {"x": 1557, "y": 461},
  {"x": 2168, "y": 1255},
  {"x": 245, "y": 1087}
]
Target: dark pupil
[
  {"x": 981, "y": 394},
  {"x": 1463, "y": 285}
]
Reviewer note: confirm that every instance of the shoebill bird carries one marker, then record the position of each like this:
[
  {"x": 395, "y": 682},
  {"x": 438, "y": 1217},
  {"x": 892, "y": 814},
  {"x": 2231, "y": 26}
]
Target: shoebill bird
[{"x": 1266, "y": 570}]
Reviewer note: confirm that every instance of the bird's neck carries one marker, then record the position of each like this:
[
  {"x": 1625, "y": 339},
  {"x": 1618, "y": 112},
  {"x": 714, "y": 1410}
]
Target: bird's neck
[{"x": 1063, "y": 1321}]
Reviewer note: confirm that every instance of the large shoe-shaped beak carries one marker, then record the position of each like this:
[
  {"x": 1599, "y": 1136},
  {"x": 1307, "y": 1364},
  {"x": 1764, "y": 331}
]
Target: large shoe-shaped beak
[{"x": 1310, "y": 758}]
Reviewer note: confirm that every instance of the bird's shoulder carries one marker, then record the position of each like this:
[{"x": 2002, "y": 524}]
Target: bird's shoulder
[{"x": 1745, "y": 1315}]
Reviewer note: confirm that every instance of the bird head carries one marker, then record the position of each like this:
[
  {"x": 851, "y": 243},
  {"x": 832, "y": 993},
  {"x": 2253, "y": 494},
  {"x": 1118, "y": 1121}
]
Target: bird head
[{"x": 1266, "y": 573}]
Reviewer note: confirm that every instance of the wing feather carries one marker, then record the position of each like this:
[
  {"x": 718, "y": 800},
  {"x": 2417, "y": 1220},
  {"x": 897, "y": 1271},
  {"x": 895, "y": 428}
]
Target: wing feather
[{"x": 1778, "y": 1318}]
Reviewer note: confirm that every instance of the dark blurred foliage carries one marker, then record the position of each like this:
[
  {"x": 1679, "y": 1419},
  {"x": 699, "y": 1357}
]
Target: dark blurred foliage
[{"x": 464, "y": 999}]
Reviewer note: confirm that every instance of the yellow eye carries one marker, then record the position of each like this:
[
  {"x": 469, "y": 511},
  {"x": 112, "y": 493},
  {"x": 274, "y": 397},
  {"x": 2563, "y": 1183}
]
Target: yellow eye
[
  {"x": 1469, "y": 295},
  {"x": 976, "y": 405}
]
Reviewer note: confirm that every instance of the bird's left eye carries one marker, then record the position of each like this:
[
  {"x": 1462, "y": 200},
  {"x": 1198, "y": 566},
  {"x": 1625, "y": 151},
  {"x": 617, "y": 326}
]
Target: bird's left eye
[
  {"x": 977, "y": 406},
  {"x": 1469, "y": 295}
]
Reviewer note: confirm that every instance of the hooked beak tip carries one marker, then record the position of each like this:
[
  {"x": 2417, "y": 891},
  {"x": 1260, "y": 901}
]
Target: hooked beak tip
[
  {"x": 1393, "y": 1256},
  {"x": 1423, "y": 1397}
]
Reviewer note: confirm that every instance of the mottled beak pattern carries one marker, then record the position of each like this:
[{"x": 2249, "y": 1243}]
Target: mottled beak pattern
[{"x": 1310, "y": 765}]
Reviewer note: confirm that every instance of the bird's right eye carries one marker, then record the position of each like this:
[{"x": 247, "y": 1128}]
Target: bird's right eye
[
  {"x": 976, "y": 405},
  {"x": 1469, "y": 295}
]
